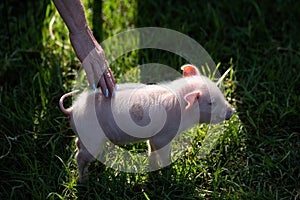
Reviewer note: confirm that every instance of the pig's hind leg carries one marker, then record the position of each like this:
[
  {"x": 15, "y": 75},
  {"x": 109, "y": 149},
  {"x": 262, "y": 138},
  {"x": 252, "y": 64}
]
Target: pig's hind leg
[{"x": 83, "y": 158}]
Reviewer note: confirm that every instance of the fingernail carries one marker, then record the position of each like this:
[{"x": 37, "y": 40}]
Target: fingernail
[
  {"x": 94, "y": 87},
  {"x": 106, "y": 92}
]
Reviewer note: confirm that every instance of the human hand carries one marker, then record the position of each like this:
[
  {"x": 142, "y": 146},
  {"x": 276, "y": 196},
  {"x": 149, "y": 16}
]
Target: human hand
[{"x": 93, "y": 61}]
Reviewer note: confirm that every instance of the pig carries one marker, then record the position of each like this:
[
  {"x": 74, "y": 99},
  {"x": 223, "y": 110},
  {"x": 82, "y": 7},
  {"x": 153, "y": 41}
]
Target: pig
[{"x": 139, "y": 112}]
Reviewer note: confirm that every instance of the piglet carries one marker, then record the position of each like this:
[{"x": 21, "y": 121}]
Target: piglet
[{"x": 138, "y": 112}]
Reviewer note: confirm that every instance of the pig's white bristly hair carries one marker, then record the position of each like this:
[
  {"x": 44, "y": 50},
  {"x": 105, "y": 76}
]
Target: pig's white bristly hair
[{"x": 223, "y": 76}]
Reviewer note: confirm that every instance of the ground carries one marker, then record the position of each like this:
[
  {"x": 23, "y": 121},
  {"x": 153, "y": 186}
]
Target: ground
[{"x": 256, "y": 157}]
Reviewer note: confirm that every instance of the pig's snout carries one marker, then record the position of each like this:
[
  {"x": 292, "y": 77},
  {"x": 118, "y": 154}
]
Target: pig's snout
[
  {"x": 229, "y": 112},
  {"x": 67, "y": 111}
]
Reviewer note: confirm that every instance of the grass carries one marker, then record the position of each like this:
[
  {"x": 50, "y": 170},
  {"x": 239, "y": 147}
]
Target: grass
[{"x": 257, "y": 156}]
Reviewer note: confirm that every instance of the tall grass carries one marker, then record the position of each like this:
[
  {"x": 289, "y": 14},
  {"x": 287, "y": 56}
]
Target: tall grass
[{"x": 256, "y": 157}]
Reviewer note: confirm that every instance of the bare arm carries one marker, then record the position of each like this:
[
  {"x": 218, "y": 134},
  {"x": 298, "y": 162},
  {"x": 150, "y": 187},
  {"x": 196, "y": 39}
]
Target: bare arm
[
  {"x": 72, "y": 12},
  {"x": 85, "y": 45}
]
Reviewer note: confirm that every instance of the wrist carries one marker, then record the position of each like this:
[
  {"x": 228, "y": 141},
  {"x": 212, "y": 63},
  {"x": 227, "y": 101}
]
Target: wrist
[{"x": 83, "y": 42}]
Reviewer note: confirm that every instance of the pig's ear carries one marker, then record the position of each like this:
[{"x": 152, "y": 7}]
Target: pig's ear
[
  {"x": 191, "y": 97},
  {"x": 190, "y": 70}
]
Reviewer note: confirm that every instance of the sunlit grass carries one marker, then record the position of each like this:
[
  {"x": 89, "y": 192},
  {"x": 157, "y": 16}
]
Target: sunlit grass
[{"x": 255, "y": 157}]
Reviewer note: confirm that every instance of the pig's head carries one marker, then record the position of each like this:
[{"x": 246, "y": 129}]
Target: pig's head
[{"x": 212, "y": 104}]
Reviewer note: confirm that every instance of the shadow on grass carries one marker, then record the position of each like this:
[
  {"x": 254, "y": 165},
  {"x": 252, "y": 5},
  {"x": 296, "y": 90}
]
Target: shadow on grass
[{"x": 256, "y": 158}]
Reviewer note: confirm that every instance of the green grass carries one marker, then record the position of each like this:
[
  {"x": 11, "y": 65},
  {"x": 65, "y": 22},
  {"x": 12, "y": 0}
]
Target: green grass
[{"x": 257, "y": 156}]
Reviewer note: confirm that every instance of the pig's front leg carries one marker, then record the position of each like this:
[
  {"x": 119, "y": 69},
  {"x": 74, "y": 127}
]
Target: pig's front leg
[
  {"x": 153, "y": 156},
  {"x": 159, "y": 156}
]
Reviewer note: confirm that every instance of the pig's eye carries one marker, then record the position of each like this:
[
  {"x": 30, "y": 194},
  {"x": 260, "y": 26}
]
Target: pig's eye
[{"x": 212, "y": 101}]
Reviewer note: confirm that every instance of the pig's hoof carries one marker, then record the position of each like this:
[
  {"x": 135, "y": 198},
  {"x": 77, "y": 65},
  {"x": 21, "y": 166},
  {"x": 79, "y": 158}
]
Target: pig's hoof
[{"x": 83, "y": 179}]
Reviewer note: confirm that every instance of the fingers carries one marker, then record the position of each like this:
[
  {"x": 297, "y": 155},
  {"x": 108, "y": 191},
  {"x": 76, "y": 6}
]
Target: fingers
[
  {"x": 110, "y": 81},
  {"x": 89, "y": 73},
  {"x": 97, "y": 67},
  {"x": 112, "y": 76},
  {"x": 102, "y": 85},
  {"x": 107, "y": 83}
]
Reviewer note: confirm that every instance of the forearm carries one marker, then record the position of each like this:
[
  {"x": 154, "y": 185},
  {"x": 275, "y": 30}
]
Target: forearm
[
  {"x": 72, "y": 12},
  {"x": 81, "y": 37},
  {"x": 85, "y": 45}
]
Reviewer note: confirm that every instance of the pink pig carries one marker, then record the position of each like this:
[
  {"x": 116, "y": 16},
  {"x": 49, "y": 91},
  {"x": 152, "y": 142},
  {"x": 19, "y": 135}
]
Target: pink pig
[{"x": 138, "y": 112}]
